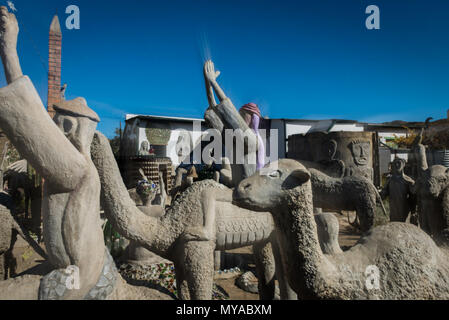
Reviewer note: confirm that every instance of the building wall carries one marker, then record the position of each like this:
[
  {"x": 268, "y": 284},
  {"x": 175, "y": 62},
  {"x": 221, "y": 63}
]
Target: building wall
[
  {"x": 177, "y": 128},
  {"x": 278, "y": 125}
]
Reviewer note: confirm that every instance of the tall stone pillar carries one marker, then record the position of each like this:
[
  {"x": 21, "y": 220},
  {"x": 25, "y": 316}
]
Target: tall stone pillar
[{"x": 54, "y": 65}]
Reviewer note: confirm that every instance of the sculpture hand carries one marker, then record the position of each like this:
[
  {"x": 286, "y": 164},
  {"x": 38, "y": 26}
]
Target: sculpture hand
[
  {"x": 209, "y": 71},
  {"x": 9, "y": 30}
]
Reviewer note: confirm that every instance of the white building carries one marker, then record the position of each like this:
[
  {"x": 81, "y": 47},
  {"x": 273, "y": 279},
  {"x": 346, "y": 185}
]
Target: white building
[{"x": 136, "y": 133}]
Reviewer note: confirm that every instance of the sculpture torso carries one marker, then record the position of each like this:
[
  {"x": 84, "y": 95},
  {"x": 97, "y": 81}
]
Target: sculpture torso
[
  {"x": 72, "y": 225},
  {"x": 399, "y": 197}
]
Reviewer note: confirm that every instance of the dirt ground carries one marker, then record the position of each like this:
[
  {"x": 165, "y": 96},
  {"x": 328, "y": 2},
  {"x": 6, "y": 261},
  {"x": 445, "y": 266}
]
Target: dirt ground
[{"x": 27, "y": 260}]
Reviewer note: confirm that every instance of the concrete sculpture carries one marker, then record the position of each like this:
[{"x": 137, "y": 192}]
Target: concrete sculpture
[
  {"x": 399, "y": 189},
  {"x": 59, "y": 151},
  {"x": 351, "y": 193},
  {"x": 398, "y": 260},
  {"x": 9, "y": 229},
  {"x": 432, "y": 191},
  {"x": 225, "y": 116},
  {"x": 183, "y": 236}
]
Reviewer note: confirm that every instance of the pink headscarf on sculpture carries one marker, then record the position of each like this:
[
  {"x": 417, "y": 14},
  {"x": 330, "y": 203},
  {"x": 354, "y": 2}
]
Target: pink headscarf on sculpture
[{"x": 254, "y": 110}]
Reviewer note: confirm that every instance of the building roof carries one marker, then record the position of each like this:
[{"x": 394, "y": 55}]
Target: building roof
[
  {"x": 163, "y": 118},
  {"x": 393, "y": 124}
]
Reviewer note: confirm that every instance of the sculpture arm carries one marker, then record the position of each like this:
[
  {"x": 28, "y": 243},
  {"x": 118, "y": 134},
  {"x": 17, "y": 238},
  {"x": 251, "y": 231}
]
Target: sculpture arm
[
  {"x": 209, "y": 91},
  {"x": 30, "y": 129},
  {"x": 118, "y": 206},
  {"x": 421, "y": 157},
  {"x": 218, "y": 91},
  {"x": 11, "y": 65},
  {"x": 8, "y": 45},
  {"x": 385, "y": 190}
]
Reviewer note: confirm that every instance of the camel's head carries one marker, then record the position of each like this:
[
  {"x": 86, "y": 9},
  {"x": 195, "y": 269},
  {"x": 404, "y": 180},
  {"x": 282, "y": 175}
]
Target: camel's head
[
  {"x": 434, "y": 181},
  {"x": 267, "y": 191}
]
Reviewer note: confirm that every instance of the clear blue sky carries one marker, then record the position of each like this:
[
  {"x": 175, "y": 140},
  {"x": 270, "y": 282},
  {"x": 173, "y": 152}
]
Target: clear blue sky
[{"x": 298, "y": 59}]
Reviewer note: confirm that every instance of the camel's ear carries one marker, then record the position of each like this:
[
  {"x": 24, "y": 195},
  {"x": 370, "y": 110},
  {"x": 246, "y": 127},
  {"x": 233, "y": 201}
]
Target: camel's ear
[{"x": 303, "y": 175}]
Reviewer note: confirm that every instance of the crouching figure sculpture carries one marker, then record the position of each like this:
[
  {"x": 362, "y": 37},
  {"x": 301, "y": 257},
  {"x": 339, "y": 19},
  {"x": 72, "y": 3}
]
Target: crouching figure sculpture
[{"x": 409, "y": 263}]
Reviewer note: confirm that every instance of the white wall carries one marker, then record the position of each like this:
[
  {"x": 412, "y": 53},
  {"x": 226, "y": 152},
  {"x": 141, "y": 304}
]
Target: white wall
[
  {"x": 176, "y": 129},
  {"x": 352, "y": 127}
]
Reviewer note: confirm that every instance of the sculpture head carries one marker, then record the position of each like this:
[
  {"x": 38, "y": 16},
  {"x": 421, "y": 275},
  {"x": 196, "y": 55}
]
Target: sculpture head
[
  {"x": 144, "y": 148},
  {"x": 361, "y": 151},
  {"x": 329, "y": 149},
  {"x": 77, "y": 121},
  {"x": 248, "y": 111},
  {"x": 433, "y": 181},
  {"x": 397, "y": 166},
  {"x": 269, "y": 191}
]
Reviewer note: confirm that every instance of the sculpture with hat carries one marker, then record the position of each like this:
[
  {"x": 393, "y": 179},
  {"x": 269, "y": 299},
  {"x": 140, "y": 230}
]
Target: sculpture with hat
[{"x": 59, "y": 150}]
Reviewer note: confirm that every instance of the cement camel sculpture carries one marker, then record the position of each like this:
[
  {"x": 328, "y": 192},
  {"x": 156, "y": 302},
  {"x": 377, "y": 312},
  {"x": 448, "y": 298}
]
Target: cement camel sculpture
[
  {"x": 170, "y": 236},
  {"x": 350, "y": 193},
  {"x": 409, "y": 263},
  {"x": 432, "y": 190}
]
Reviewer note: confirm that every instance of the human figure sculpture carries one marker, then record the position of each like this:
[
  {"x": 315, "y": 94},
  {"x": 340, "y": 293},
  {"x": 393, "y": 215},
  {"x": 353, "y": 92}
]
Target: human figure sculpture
[
  {"x": 225, "y": 116},
  {"x": 251, "y": 114},
  {"x": 144, "y": 148},
  {"x": 335, "y": 166},
  {"x": 407, "y": 261},
  {"x": 59, "y": 151},
  {"x": 360, "y": 151},
  {"x": 399, "y": 189}
]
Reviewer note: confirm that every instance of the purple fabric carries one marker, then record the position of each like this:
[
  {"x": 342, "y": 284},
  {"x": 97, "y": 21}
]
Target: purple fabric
[{"x": 261, "y": 153}]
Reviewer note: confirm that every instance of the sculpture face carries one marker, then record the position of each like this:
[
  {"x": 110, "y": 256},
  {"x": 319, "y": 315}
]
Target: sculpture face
[
  {"x": 144, "y": 148},
  {"x": 68, "y": 125},
  {"x": 360, "y": 152},
  {"x": 78, "y": 130},
  {"x": 329, "y": 149},
  {"x": 266, "y": 192},
  {"x": 398, "y": 166}
]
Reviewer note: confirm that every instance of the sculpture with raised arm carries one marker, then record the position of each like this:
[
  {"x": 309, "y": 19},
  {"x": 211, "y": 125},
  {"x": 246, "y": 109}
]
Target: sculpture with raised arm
[
  {"x": 59, "y": 151},
  {"x": 225, "y": 116}
]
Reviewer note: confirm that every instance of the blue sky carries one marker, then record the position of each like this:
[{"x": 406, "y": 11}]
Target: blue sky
[{"x": 296, "y": 59}]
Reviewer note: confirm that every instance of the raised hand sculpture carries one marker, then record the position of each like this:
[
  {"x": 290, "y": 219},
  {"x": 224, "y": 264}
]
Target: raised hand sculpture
[
  {"x": 225, "y": 116},
  {"x": 59, "y": 151}
]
